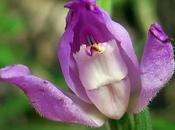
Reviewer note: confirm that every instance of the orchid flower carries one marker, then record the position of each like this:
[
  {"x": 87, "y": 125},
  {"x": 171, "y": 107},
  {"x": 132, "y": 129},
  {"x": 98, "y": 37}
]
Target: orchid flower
[{"x": 100, "y": 67}]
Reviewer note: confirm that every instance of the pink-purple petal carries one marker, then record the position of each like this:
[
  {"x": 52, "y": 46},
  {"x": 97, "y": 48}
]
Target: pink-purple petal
[
  {"x": 157, "y": 65},
  {"x": 130, "y": 58},
  {"x": 68, "y": 65},
  {"x": 124, "y": 43},
  {"x": 50, "y": 101},
  {"x": 122, "y": 35}
]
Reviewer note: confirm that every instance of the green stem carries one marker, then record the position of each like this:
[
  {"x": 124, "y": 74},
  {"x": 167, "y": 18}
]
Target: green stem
[
  {"x": 113, "y": 125},
  {"x": 122, "y": 124},
  {"x": 140, "y": 121}
]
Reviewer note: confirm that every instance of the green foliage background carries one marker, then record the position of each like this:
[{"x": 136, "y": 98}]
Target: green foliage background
[{"x": 23, "y": 41}]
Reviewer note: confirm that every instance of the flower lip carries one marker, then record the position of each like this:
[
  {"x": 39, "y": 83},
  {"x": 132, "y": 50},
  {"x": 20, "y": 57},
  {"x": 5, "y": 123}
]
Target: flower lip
[{"x": 158, "y": 32}]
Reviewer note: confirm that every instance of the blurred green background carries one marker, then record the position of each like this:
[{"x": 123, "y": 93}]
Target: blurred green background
[{"x": 29, "y": 33}]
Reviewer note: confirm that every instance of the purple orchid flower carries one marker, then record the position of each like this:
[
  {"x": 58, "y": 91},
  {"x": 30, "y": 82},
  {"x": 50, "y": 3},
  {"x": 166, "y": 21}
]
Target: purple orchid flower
[{"x": 100, "y": 67}]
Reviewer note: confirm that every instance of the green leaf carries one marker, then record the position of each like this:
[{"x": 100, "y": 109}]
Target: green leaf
[{"x": 106, "y": 5}]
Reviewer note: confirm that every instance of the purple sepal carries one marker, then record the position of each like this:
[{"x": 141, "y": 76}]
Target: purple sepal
[
  {"x": 50, "y": 101},
  {"x": 157, "y": 65}
]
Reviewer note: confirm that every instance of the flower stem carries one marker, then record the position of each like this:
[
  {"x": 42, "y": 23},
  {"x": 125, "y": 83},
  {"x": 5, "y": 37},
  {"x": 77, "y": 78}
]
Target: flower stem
[
  {"x": 140, "y": 121},
  {"x": 113, "y": 125},
  {"x": 122, "y": 124}
]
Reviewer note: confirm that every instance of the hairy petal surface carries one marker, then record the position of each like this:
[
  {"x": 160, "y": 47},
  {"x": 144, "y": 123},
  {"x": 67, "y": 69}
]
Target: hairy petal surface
[
  {"x": 157, "y": 65},
  {"x": 51, "y": 102}
]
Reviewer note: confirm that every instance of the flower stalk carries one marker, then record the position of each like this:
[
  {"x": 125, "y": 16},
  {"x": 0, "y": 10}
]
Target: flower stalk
[{"x": 140, "y": 121}]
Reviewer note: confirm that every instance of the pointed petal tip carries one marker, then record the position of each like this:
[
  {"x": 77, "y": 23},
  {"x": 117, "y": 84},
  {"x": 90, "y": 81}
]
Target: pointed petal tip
[{"x": 158, "y": 32}]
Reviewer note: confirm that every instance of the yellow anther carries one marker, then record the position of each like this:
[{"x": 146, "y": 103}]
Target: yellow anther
[
  {"x": 97, "y": 47},
  {"x": 94, "y": 49}
]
